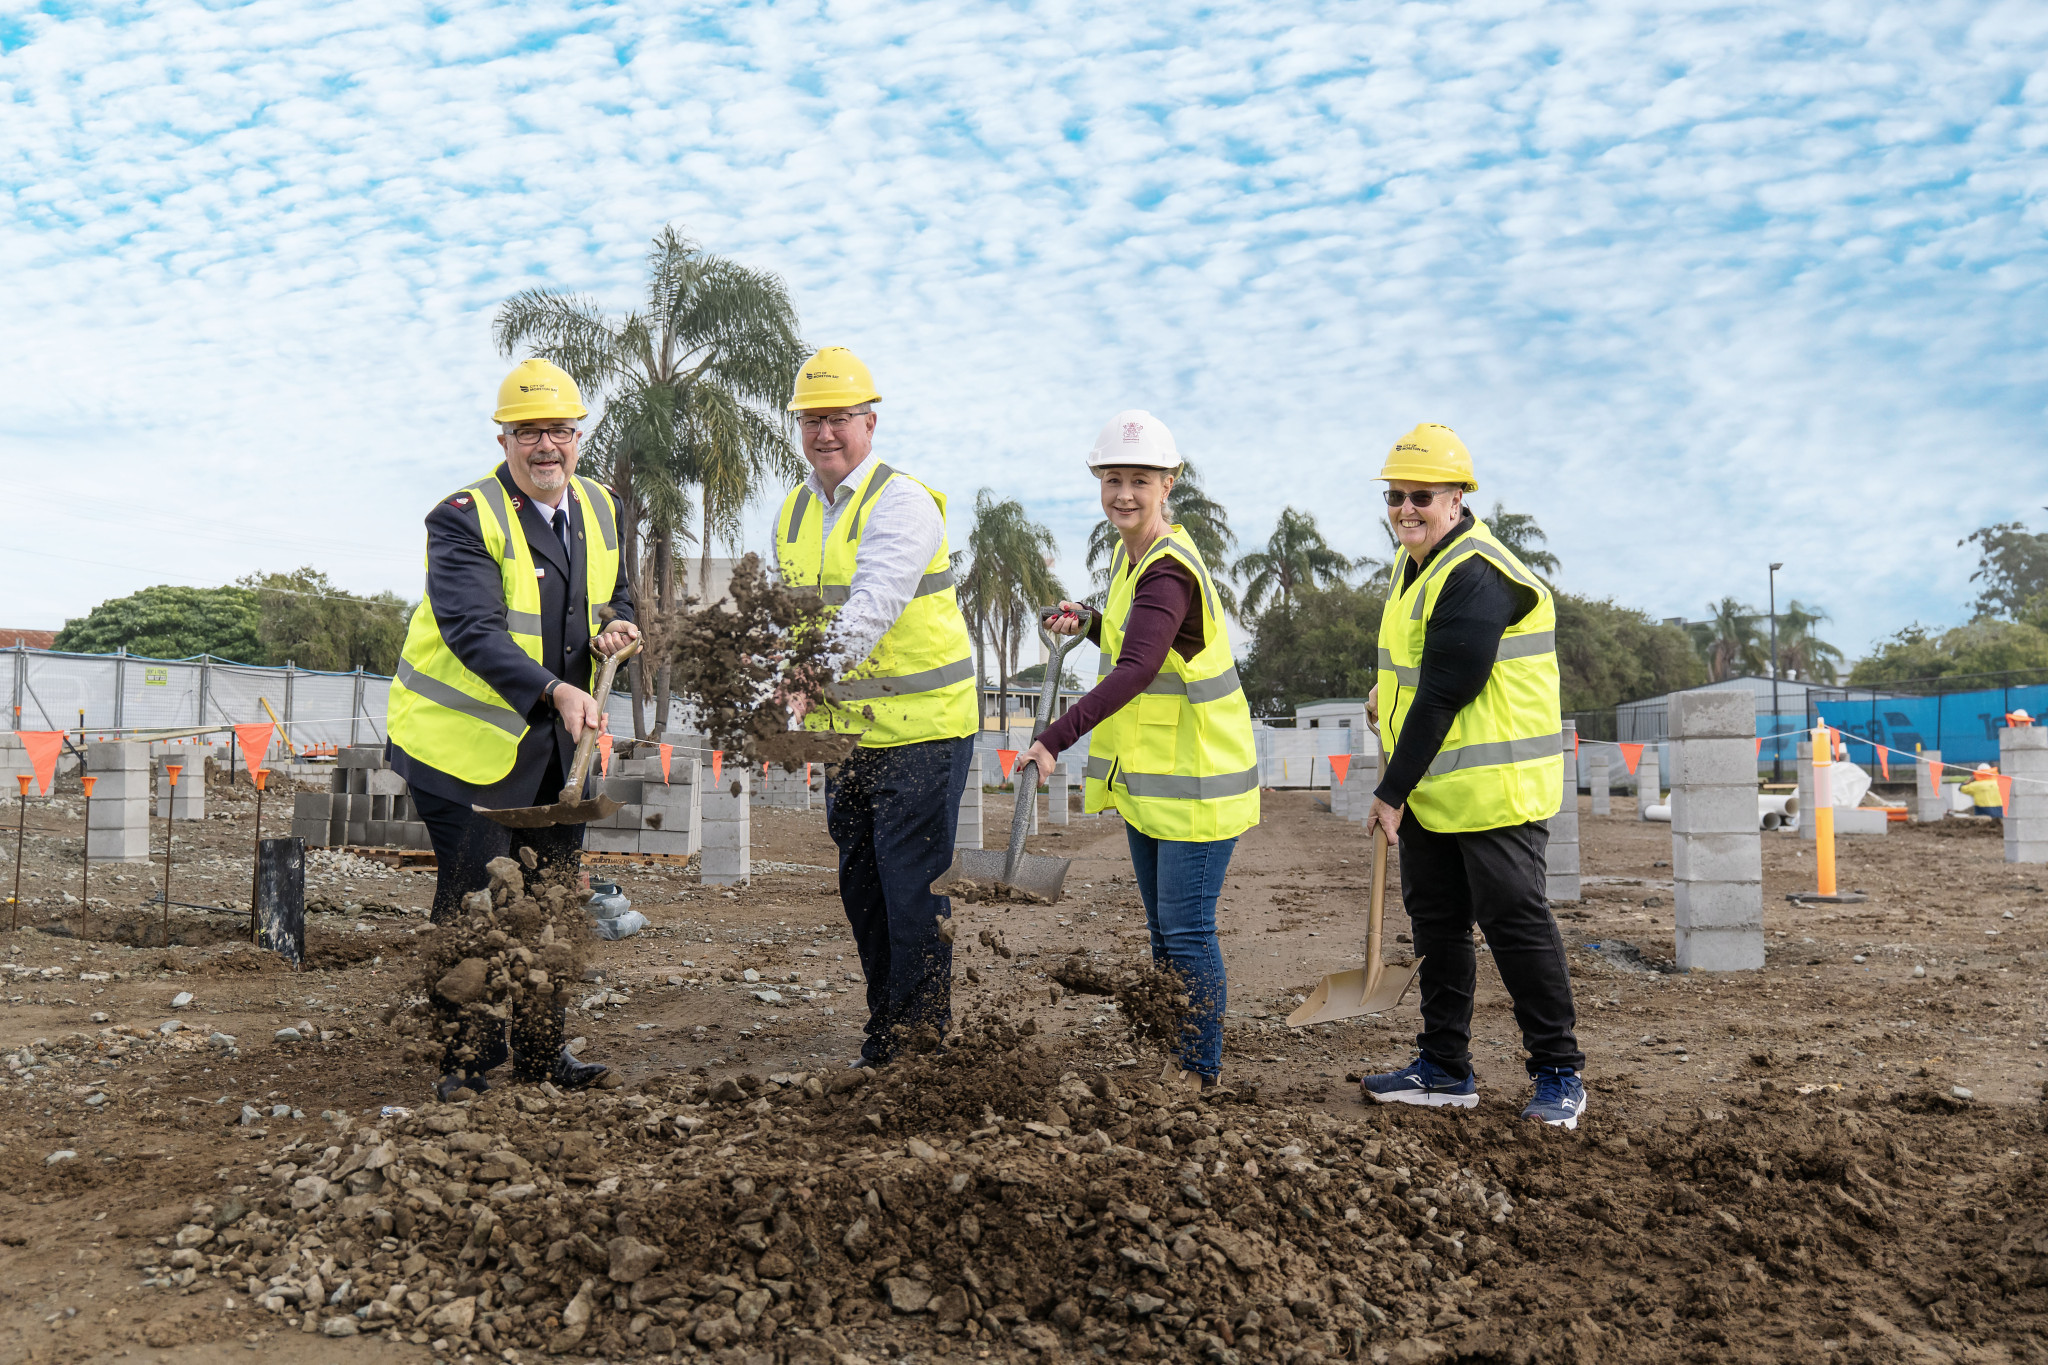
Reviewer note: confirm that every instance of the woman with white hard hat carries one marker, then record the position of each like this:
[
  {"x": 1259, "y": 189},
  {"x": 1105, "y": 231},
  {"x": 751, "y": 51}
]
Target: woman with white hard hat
[{"x": 1172, "y": 748}]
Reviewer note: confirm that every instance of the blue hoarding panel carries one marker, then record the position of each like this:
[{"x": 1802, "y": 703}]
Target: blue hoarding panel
[{"x": 1962, "y": 725}]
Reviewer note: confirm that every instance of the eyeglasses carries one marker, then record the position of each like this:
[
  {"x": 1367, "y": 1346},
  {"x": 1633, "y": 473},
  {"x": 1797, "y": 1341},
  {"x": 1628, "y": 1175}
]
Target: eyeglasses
[
  {"x": 1422, "y": 497},
  {"x": 838, "y": 422},
  {"x": 531, "y": 436}
]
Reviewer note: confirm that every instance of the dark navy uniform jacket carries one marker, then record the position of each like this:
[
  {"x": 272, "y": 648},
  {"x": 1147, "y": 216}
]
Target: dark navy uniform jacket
[{"x": 468, "y": 592}]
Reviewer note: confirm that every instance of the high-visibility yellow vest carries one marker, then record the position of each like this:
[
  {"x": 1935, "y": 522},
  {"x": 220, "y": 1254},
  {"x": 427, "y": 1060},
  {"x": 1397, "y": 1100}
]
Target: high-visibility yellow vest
[
  {"x": 1179, "y": 761},
  {"x": 446, "y": 716},
  {"x": 1502, "y": 762},
  {"x": 917, "y": 684}
]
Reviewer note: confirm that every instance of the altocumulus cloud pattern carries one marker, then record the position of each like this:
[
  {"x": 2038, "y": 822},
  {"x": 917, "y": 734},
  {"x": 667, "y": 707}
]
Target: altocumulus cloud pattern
[{"x": 1676, "y": 271}]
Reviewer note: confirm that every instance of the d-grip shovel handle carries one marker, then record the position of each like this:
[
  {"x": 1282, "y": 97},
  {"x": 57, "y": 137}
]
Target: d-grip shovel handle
[{"x": 579, "y": 768}]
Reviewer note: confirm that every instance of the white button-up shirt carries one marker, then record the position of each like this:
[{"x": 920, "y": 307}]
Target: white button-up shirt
[{"x": 903, "y": 531}]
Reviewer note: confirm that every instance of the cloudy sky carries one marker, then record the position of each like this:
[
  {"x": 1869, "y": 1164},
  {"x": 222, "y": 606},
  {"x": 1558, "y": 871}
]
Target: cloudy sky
[{"x": 1702, "y": 285}]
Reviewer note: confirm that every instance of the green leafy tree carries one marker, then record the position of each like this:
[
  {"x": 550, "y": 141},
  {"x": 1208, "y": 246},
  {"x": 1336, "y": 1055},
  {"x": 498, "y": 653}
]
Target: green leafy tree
[
  {"x": 693, "y": 386},
  {"x": 1201, "y": 516},
  {"x": 167, "y": 622},
  {"x": 1729, "y": 641},
  {"x": 306, "y": 620},
  {"x": 1296, "y": 557},
  {"x": 1033, "y": 676},
  {"x": 1520, "y": 533},
  {"x": 2012, "y": 566},
  {"x": 1008, "y": 576},
  {"x": 1801, "y": 653},
  {"x": 1608, "y": 654},
  {"x": 1320, "y": 642},
  {"x": 1985, "y": 645}
]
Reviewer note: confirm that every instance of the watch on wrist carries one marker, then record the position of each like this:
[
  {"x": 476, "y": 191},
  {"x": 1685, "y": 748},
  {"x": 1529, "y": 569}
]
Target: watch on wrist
[{"x": 548, "y": 693}]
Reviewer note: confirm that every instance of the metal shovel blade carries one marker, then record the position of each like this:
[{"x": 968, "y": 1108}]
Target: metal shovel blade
[
  {"x": 978, "y": 873},
  {"x": 1362, "y": 990},
  {"x": 561, "y": 813}
]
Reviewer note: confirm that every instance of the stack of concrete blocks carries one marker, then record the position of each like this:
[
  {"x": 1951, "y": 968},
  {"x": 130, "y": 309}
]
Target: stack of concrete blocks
[
  {"x": 653, "y": 816},
  {"x": 1561, "y": 861},
  {"x": 118, "y": 830},
  {"x": 1058, "y": 808},
  {"x": 187, "y": 800},
  {"x": 968, "y": 835},
  {"x": 1599, "y": 769},
  {"x": 1930, "y": 799},
  {"x": 13, "y": 762},
  {"x": 1804, "y": 750},
  {"x": 1360, "y": 782},
  {"x": 1649, "y": 782},
  {"x": 367, "y": 806},
  {"x": 1716, "y": 850},
  {"x": 783, "y": 789},
  {"x": 2023, "y": 757},
  {"x": 728, "y": 830}
]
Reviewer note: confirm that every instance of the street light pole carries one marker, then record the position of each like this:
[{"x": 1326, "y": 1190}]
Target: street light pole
[{"x": 1777, "y": 749}]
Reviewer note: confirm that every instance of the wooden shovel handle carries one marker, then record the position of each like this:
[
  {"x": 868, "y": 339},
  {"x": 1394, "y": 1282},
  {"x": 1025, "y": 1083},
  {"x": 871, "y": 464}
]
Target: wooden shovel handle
[
  {"x": 1379, "y": 895},
  {"x": 579, "y": 768}
]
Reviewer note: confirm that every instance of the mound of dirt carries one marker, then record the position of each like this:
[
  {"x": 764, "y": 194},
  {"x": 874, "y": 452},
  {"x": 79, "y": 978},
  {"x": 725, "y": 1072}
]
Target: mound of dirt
[{"x": 1025, "y": 1198}]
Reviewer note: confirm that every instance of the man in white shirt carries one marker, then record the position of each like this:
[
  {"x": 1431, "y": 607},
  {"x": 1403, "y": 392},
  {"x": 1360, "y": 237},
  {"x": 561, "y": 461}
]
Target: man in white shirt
[{"x": 872, "y": 540}]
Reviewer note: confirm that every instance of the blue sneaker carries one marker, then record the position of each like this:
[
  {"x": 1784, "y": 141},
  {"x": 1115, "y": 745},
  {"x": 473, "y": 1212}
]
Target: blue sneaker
[
  {"x": 1422, "y": 1082},
  {"x": 1560, "y": 1098}
]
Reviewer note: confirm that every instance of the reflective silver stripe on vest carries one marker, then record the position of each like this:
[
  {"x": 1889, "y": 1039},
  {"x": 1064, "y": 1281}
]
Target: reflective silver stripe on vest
[
  {"x": 493, "y": 492},
  {"x": 441, "y": 694},
  {"x": 931, "y": 680},
  {"x": 1207, "y": 689},
  {"x": 883, "y": 473},
  {"x": 1497, "y": 753},
  {"x": 1530, "y": 646},
  {"x": 1477, "y": 547},
  {"x": 597, "y": 502},
  {"x": 1404, "y": 675},
  {"x": 1173, "y": 787},
  {"x": 796, "y": 513},
  {"x": 523, "y": 622},
  {"x": 1104, "y": 665},
  {"x": 835, "y": 594},
  {"x": 1099, "y": 768}
]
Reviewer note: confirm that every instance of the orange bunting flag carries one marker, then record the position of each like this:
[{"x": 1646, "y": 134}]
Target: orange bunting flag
[
  {"x": 717, "y": 763},
  {"x": 1340, "y": 767},
  {"x": 255, "y": 743},
  {"x": 1632, "y": 754},
  {"x": 666, "y": 750},
  {"x": 2005, "y": 793},
  {"x": 1884, "y": 761},
  {"x": 604, "y": 752},
  {"x": 1008, "y": 758},
  {"x": 1759, "y": 746},
  {"x": 43, "y": 746}
]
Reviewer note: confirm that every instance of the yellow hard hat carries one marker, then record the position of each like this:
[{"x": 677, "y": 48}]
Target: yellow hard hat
[
  {"x": 1432, "y": 453},
  {"x": 538, "y": 389},
  {"x": 833, "y": 378}
]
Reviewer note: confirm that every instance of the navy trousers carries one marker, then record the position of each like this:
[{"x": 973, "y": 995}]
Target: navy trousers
[{"x": 893, "y": 813}]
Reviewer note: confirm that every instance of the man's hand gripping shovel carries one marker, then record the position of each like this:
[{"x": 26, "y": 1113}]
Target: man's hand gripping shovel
[
  {"x": 1374, "y": 988},
  {"x": 570, "y": 809}
]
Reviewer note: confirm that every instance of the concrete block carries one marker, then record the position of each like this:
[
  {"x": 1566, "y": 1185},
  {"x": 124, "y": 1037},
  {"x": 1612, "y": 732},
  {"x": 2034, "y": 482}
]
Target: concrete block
[
  {"x": 1598, "y": 769},
  {"x": 120, "y": 785},
  {"x": 1713, "y": 763},
  {"x": 1559, "y": 887},
  {"x": 660, "y": 841},
  {"x": 724, "y": 836},
  {"x": 401, "y": 809},
  {"x": 384, "y": 782},
  {"x": 1561, "y": 860},
  {"x": 313, "y": 806},
  {"x": 1718, "y": 905},
  {"x": 2023, "y": 739},
  {"x": 360, "y": 756},
  {"x": 631, "y": 817},
  {"x": 1717, "y": 858},
  {"x": 358, "y": 832},
  {"x": 355, "y": 781},
  {"x": 968, "y": 834},
  {"x": 1713, "y": 810},
  {"x": 2026, "y": 850},
  {"x": 623, "y": 789},
  {"x": 1860, "y": 820},
  {"x": 131, "y": 813},
  {"x": 380, "y": 807},
  {"x": 600, "y": 840},
  {"x": 130, "y": 845},
  {"x": 1929, "y": 803},
  {"x": 1649, "y": 782},
  {"x": 416, "y": 835},
  {"x": 377, "y": 833},
  {"x": 1804, "y": 750},
  {"x": 1712, "y": 714},
  {"x": 1564, "y": 826},
  {"x": 1058, "y": 804},
  {"x": 313, "y": 832},
  {"x": 111, "y": 756},
  {"x": 1721, "y": 950}
]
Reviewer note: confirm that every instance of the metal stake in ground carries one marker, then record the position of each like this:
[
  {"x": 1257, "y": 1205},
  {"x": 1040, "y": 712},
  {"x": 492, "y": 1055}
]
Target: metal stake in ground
[
  {"x": 20, "y": 829},
  {"x": 171, "y": 771},
  {"x": 258, "y": 776},
  {"x": 85, "y": 863}
]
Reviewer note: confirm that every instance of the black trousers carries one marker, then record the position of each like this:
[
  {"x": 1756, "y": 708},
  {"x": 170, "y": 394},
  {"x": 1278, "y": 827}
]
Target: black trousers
[
  {"x": 464, "y": 844},
  {"x": 893, "y": 813},
  {"x": 1493, "y": 878}
]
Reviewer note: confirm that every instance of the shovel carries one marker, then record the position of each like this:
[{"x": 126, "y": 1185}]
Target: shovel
[
  {"x": 568, "y": 810},
  {"x": 1374, "y": 988},
  {"x": 1035, "y": 876}
]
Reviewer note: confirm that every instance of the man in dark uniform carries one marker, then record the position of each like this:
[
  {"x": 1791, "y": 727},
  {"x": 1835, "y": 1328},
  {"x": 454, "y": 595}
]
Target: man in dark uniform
[{"x": 491, "y": 692}]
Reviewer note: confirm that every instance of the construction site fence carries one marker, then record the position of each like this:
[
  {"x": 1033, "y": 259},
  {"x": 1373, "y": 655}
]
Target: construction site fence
[{"x": 118, "y": 695}]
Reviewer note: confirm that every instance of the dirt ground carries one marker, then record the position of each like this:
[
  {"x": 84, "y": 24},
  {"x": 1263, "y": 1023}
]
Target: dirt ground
[{"x": 1840, "y": 1158}]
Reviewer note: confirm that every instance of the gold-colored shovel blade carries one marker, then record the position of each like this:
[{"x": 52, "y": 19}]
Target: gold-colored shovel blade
[
  {"x": 1362, "y": 990},
  {"x": 561, "y": 813}
]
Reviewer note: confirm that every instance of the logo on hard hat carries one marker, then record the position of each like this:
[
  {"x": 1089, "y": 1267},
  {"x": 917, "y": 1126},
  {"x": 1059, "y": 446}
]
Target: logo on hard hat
[
  {"x": 1420, "y": 450},
  {"x": 538, "y": 388},
  {"x": 1133, "y": 432}
]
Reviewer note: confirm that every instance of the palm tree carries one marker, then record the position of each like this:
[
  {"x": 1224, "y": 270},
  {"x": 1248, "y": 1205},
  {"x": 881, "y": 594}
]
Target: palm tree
[
  {"x": 1519, "y": 532},
  {"x": 1201, "y": 516},
  {"x": 1728, "y": 640},
  {"x": 1800, "y": 651},
  {"x": 693, "y": 387},
  {"x": 1296, "y": 556},
  {"x": 1008, "y": 577}
]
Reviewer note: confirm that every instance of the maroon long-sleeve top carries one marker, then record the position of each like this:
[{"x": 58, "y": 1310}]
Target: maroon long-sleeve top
[{"x": 1163, "y": 617}]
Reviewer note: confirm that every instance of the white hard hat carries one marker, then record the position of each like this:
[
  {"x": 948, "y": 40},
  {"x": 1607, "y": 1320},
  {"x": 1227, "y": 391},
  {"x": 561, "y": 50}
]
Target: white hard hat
[{"x": 1134, "y": 437}]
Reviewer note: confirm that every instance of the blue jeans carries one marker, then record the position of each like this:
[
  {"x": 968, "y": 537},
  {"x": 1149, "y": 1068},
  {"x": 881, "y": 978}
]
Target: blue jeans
[{"x": 1179, "y": 882}]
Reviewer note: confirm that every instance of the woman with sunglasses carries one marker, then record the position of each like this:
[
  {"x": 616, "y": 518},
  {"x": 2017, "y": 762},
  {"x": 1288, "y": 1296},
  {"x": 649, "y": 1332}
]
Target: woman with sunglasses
[
  {"x": 1468, "y": 698},
  {"x": 1172, "y": 748}
]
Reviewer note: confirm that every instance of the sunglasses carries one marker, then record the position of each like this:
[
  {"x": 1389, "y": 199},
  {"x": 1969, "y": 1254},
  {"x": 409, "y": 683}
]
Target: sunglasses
[{"x": 1420, "y": 498}]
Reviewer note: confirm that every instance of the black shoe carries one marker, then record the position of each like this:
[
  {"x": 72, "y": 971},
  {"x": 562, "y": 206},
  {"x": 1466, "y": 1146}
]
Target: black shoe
[
  {"x": 570, "y": 1074},
  {"x": 447, "y": 1087}
]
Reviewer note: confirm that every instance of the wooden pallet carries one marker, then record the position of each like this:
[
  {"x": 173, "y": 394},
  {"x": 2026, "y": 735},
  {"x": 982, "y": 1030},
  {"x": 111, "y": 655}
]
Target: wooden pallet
[
  {"x": 669, "y": 859},
  {"x": 419, "y": 858}
]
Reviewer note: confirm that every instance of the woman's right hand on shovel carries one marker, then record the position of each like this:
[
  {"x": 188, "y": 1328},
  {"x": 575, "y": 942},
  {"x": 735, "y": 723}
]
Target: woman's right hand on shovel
[{"x": 1070, "y": 619}]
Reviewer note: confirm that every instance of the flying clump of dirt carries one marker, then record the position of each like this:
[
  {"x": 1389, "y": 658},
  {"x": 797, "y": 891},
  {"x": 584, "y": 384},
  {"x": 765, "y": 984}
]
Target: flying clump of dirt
[
  {"x": 739, "y": 660},
  {"x": 515, "y": 952}
]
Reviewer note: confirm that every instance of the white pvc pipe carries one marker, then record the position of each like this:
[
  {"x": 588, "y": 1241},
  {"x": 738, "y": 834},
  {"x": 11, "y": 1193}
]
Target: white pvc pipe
[{"x": 1771, "y": 811}]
